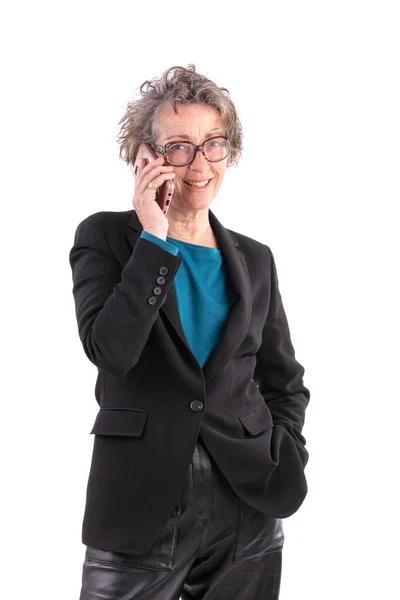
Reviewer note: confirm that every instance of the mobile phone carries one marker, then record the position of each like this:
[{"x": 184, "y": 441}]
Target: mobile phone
[{"x": 165, "y": 191}]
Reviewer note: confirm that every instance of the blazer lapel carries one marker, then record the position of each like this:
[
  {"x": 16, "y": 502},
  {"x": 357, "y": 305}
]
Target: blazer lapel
[{"x": 239, "y": 317}]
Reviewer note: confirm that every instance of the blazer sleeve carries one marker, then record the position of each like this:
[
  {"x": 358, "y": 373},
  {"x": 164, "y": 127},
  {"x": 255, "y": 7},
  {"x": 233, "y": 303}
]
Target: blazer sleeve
[
  {"x": 279, "y": 377},
  {"x": 112, "y": 305}
]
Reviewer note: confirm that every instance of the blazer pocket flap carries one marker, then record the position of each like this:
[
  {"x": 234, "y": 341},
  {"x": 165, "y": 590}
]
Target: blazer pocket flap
[
  {"x": 120, "y": 421},
  {"x": 257, "y": 419}
]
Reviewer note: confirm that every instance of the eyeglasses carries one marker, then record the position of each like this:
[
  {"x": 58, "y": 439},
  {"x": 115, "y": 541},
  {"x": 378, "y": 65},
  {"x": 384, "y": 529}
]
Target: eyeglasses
[{"x": 179, "y": 154}]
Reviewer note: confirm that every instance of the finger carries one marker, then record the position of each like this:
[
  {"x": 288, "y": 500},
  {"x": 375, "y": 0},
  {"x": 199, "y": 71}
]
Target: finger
[
  {"x": 146, "y": 169},
  {"x": 148, "y": 166},
  {"x": 153, "y": 175},
  {"x": 159, "y": 181}
]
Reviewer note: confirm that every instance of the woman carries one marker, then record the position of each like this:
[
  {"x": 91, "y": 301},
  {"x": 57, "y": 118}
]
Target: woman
[{"x": 198, "y": 452}]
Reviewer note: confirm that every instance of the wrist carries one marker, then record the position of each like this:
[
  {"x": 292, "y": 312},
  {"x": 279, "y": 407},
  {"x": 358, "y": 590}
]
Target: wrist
[{"x": 162, "y": 235}]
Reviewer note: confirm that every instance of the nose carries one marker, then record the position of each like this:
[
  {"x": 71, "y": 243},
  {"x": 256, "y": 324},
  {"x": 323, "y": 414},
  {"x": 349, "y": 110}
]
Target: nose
[{"x": 199, "y": 160}]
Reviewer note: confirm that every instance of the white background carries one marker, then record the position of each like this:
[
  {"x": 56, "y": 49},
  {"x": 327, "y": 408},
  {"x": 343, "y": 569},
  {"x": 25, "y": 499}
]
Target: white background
[{"x": 316, "y": 85}]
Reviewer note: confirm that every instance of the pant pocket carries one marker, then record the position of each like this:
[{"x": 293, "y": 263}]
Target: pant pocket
[
  {"x": 256, "y": 533},
  {"x": 160, "y": 555}
]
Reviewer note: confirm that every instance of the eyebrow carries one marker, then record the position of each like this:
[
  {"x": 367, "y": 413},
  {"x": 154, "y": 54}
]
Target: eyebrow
[{"x": 186, "y": 137}]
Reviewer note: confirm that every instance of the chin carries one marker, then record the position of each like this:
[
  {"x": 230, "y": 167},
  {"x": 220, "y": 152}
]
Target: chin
[
  {"x": 195, "y": 200},
  {"x": 203, "y": 202}
]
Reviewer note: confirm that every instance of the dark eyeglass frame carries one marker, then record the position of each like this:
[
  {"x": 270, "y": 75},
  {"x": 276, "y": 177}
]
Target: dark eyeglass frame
[{"x": 163, "y": 149}]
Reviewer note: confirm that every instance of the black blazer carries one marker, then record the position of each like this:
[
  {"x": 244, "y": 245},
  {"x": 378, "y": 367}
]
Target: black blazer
[{"x": 248, "y": 401}]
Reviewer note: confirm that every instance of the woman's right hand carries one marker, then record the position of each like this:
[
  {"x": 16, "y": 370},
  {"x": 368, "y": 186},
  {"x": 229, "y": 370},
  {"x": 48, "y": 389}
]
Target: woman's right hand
[{"x": 149, "y": 212}]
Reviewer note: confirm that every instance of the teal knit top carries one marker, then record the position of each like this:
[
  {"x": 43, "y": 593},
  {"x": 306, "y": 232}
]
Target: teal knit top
[{"x": 204, "y": 293}]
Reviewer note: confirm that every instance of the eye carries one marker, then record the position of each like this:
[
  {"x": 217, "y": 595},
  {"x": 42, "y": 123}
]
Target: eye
[
  {"x": 177, "y": 147},
  {"x": 215, "y": 143}
]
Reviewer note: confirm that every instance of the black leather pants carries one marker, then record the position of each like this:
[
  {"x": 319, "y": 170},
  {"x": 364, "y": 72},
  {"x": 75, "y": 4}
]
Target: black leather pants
[{"x": 213, "y": 547}]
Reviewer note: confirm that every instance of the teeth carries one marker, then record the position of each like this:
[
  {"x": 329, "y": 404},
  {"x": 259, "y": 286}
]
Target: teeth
[{"x": 198, "y": 184}]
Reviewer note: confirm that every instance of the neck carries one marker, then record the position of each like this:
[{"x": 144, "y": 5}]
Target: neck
[{"x": 190, "y": 226}]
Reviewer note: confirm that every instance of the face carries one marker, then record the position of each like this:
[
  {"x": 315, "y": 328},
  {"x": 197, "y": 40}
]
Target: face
[{"x": 194, "y": 123}]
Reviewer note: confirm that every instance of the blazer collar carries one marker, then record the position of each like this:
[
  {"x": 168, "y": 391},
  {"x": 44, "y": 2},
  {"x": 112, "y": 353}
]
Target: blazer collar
[{"x": 239, "y": 317}]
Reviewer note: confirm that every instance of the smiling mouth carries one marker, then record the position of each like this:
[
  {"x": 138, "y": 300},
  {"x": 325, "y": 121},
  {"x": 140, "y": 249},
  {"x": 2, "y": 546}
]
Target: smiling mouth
[{"x": 198, "y": 184}]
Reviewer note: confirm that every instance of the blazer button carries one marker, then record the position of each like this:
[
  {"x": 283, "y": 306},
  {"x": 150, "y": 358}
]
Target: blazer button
[
  {"x": 157, "y": 291},
  {"x": 152, "y": 300},
  {"x": 161, "y": 280},
  {"x": 196, "y": 405},
  {"x": 163, "y": 270}
]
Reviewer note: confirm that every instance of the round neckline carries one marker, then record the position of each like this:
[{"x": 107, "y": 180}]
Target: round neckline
[{"x": 192, "y": 245}]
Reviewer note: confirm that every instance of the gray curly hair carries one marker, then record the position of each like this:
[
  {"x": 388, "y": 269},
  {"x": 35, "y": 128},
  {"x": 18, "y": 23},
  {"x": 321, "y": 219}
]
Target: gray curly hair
[{"x": 176, "y": 86}]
